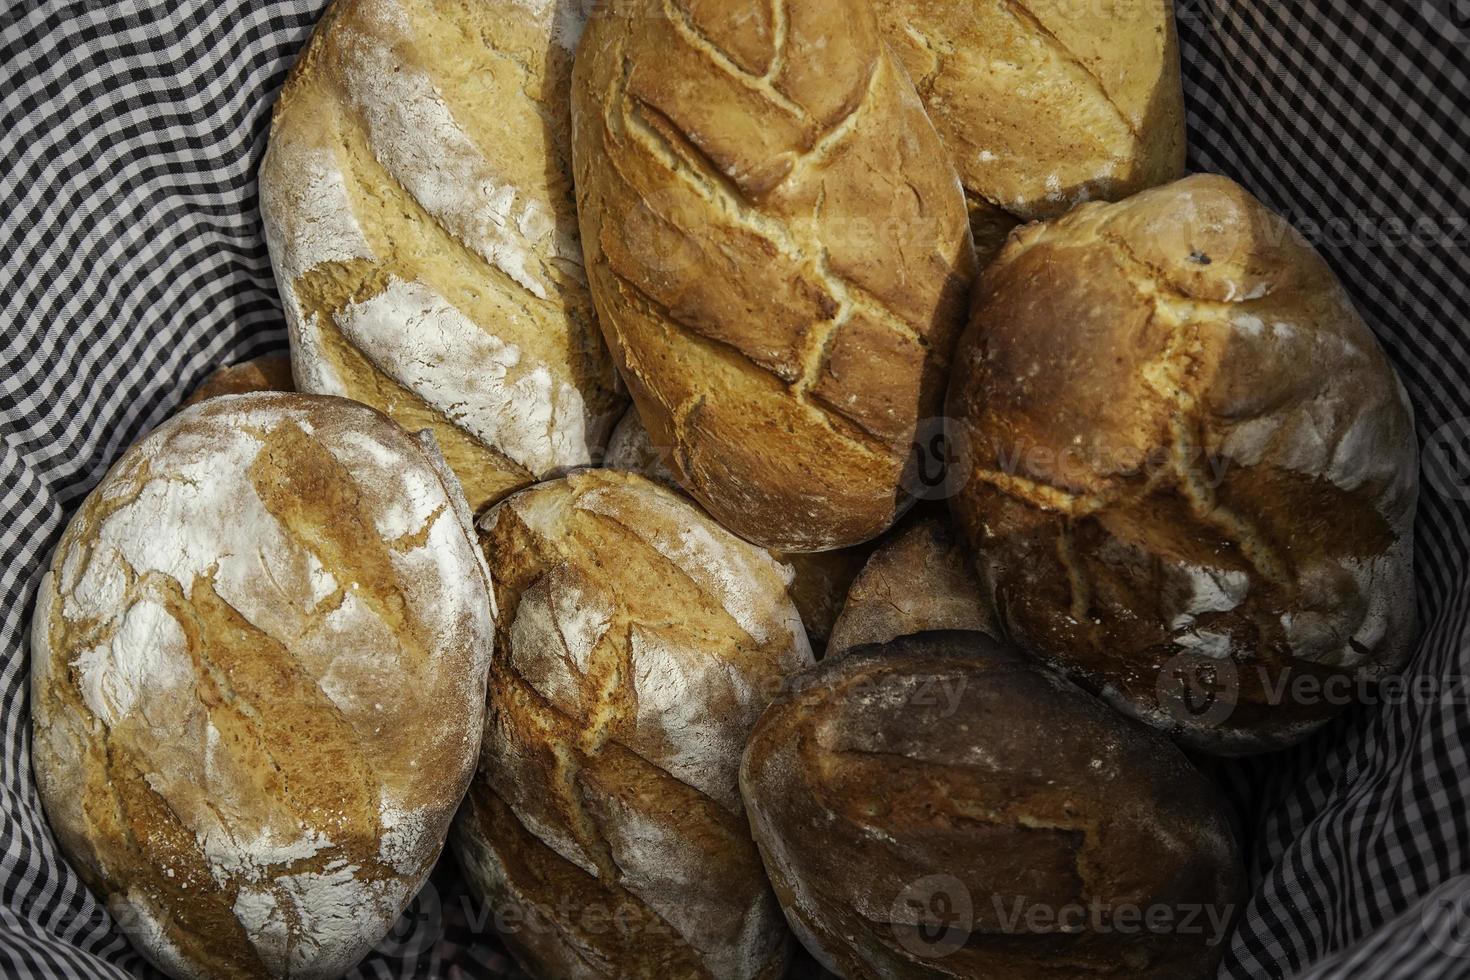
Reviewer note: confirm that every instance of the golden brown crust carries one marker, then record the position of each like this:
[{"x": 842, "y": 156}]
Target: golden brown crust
[
  {"x": 1190, "y": 457},
  {"x": 779, "y": 231},
  {"x": 258, "y": 674},
  {"x": 638, "y": 643},
  {"x": 419, "y": 209},
  {"x": 918, "y": 804},
  {"x": 819, "y": 582},
  {"x": 1043, "y": 106},
  {"x": 920, "y": 580},
  {"x": 271, "y": 372}
]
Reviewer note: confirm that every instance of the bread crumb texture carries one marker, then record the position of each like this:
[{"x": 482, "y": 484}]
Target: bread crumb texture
[
  {"x": 779, "y": 252},
  {"x": 1045, "y": 104},
  {"x": 1188, "y": 444},
  {"x": 637, "y": 645},
  {"x": 258, "y": 678},
  {"x": 419, "y": 210}
]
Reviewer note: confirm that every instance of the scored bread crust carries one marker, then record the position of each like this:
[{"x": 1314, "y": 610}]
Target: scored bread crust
[
  {"x": 637, "y": 645},
  {"x": 779, "y": 252},
  {"x": 258, "y": 681},
  {"x": 1043, "y": 106},
  {"x": 1190, "y": 457},
  {"x": 419, "y": 211}
]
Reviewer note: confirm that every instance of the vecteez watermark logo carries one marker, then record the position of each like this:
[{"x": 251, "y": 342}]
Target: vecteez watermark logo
[
  {"x": 1446, "y": 460},
  {"x": 936, "y": 696},
  {"x": 1203, "y": 692},
  {"x": 939, "y": 460},
  {"x": 1450, "y": 17},
  {"x": 933, "y": 916},
  {"x": 1018, "y": 916},
  {"x": 418, "y": 929},
  {"x": 1446, "y": 922},
  {"x": 1198, "y": 692},
  {"x": 942, "y": 458}
]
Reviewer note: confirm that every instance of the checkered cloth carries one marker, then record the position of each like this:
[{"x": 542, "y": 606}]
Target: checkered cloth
[{"x": 134, "y": 263}]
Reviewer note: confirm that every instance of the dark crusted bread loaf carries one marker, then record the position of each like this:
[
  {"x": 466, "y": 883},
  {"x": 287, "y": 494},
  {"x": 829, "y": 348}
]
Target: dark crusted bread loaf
[
  {"x": 1194, "y": 471},
  {"x": 943, "y": 807}
]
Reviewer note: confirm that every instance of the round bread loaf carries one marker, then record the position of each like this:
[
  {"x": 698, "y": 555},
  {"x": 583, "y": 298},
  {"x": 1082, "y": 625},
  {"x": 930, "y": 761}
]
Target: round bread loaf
[
  {"x": 920, "y": 581},
  {"x": 1045, "y": 105},
  {"x": 790, "y": 257},
  {"x": 943, "y": 807},
  {"x": 819, "y": 582},
  {"x": 637, "y": 645},
  {"x": 418, "y": 205},
  {"x": 269, "y": 373},
  {"x": 1194, "y": 472},
  {"x": 258, "y": 670}
]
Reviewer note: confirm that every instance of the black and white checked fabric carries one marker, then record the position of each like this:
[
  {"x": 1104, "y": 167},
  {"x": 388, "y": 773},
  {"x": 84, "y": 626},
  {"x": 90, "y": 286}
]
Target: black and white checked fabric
[{"x": 134, "y": 263}]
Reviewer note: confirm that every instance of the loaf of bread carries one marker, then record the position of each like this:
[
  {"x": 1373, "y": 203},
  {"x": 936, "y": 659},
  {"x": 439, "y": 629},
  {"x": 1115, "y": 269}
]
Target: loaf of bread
[
  {"x": 271, "y": 372},
  {"x": 258, "y": 683},
  {"x": 418, "y": 205},
  {"x": 819, "y": 581},
  {"x": 779, "y": 253},
  {"x": 638, "y": 642},
  {"x": 1194, "y": 469},
  {"x": 920, "y": 581},
  {"x": 1043, "y": 106},
  {"x": 942, "y": 807}
]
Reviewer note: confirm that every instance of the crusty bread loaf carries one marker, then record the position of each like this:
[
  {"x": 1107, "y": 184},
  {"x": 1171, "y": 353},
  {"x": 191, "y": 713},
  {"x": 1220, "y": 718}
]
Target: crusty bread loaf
[
  {"x": 942, "y": 807},
  {"x": 638, "y": 643},
  {"x": 271, "y": 372},
  {"x": 258, "y": 682},
  {"x": 819, "y": 582},
  {"x": 418, "y": 206},
  {"x": 1193, "y": 465},
  {"x": 779, "y": 252},
  {"x": 1045, "y": 105},
  {"x": 919, "y": 581}
]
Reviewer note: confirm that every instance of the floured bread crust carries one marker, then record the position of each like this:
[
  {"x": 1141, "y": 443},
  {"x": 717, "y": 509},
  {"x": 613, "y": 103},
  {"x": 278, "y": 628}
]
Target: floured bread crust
[
  {"x": 920, "y": 580},
  {"x": 637, "y": 645},
  {"x": 918, "y": 804},
  {"x": 779, "y": 251},
  {"x": 258, "y": 683},
  {"x": 418, "y": 205},
  {"x": 1043, "y": 104},
  {"x": 1190, "y": 454}
]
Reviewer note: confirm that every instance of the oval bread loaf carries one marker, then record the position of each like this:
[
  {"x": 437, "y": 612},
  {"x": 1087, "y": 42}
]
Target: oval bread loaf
[
  {"x": 258, "y": 683},
  {"x": 1045, "y": 105},
  {"x": 418, "y": 206},
  {"x": 779, "y": 252},
  {"x": 637, "y": 645},
  {"x": 918, "y": 581},
  {"x": 942, "y": 807},
  {"x": 1193, "y": 466}
]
